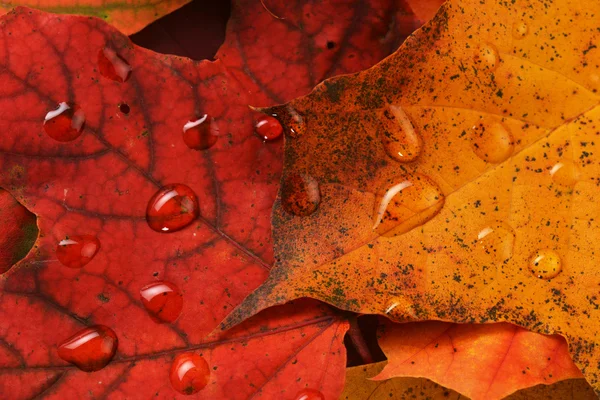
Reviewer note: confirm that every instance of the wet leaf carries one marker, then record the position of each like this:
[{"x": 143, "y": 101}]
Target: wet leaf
[
  {"x": 93, "y": 129},
  {"x": 488, "y": 361},
  {"x": 456, "y": 179},
  {"x": 129, "y": 17},
  {"x": 359, "y": 386}
]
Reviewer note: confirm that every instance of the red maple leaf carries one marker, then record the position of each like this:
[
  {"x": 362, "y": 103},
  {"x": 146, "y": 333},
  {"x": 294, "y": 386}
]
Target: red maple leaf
[{"x": 94, "y": 190}]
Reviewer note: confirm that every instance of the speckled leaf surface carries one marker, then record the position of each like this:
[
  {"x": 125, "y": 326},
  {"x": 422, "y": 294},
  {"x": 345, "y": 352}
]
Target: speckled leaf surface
[
  {"x": 488, "y": 116},
  {"x": 100, "y": 185}
]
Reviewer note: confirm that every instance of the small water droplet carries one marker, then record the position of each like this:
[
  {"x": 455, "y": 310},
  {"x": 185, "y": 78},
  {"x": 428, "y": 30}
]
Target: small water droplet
[
  {"x": 546, "y": 264},
  {"x": 408, "y": 204},
  {"x": 162, "y": 300},
  {"x": 491, "y": 140},
  {"x": 90, "y": 349},
  {"x": 520, "y": 30},
  {"x": 64, "y": 124},
  {"x": 400, "y": 308},
  {"x": 496, "y": 242},
  {"x": 300, "y": 194},
  {"x": 565, "y": 173},
  {"x": 189, "y": 373},
  {"x": 201, "y": 134},
  {"x": 112, "y": 66},
  {"x": 172, "y": 208},
  {"x": 76, "y": 251},
  {"x": 399, "y": 138},
  {"x": 309, "y": 394},
  {"x": 486, "y": 56},
  {"x": 268, "y": 127}
]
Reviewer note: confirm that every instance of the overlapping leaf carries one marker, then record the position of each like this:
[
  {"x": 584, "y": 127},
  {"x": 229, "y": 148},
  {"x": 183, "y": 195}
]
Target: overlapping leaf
[
  {"x": 359, "y": 386},
  {"x": 488, "y": 361},
  {"x": 488, "y": 115},
  {"x": 128, "y": 17},
  {"x": 100, "y": 185}
]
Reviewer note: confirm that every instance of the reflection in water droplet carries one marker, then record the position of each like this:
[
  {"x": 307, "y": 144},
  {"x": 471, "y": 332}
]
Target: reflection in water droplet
[
  {"x": 90, "y": 349},
  {"x": 565, "y": 173},
  {"x": 162, "y": 300},
  {"x": 406, "y": 205},
  {"x": 520, "y": 30},
  {"x": 309, "y": 394},
  {"x": 189, "y": 373},
  {"x": 65, "y": 123},
  {"x": 172, "y": 208},
  {"x": 399, "y": 138},
  {"x": 268, "y": 127},
  {"x": 496, "y": 242},
  {"x": 491, "y": 140},
  {"x": 200, "y": 134},
  {"x": 300, "y": 194},
  {"x": 546, "y": 264},
  {"x": 76, "y": 251},
  {"x": 112, "y": 66},
  {"x": 486, "y": 56}
]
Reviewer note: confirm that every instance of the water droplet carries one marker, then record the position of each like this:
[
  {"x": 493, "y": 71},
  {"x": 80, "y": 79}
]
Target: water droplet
[
  {"x": 268, "y": 127},
  {"x": 400, "y": 308},
  {"x": 565, "y": 173},
  {"x": 90, "y": 349},
  {"x": 520, "y": 30},
  {"x": 408, "y": 204},
  {"x": 399, "y": 137},
  {"x": 309, "y": 394},
  {"x": 486, "y": 56},
  {"x": 64, "y": 124},
  {"x": 189, "y": 373},
  {"x": 200, "y": 134},
  {"x": 491, "y": 140},
  {"x": 496, "y": 242},
  {"x": 162, "y": 300},
  {"x": 300, "y": 194},
  {"x": 546, "y": 264},
  {"x": 76, "y": 251},
  {"x": 172, "y": 208},
  {"x": 112, "y": 66}
]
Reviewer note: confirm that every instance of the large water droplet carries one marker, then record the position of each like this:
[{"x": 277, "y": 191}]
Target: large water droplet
[
  {"x": 172, "y": 208},
  {"x": 268, "y": 127},
  {"x": 496, "y": 242},
  {"x": 162, "y": 300},
  {"x": 201, "y": 134},
  {"x": 189, "y": 373},
  {"x": 486, "y": 56},
  {"x": 112, "y": 66},
  {"x": 520, "y": 30},
  {"x": 565, "y": 173},
  {"x": 491, "y": 140},
  {"x": 65, "y": 123},
  {"x": 407, "y": 204},
  {"x": 309, "y": 394},
  {"x": 90, "y": 349},
  {"x": 300, "y": 194},
  {"x": 76, "y": 251},
  {"x": 399, "y": 138},
  {"x": 546, "y": 264}
]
